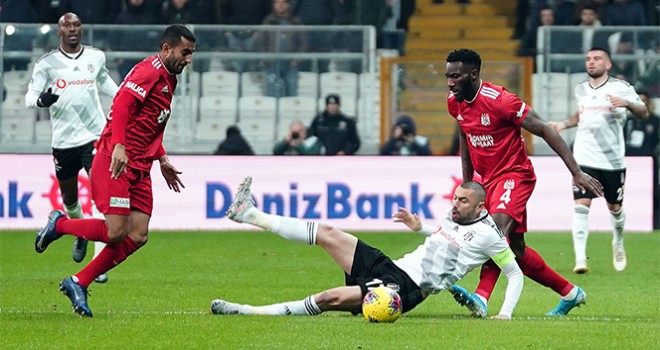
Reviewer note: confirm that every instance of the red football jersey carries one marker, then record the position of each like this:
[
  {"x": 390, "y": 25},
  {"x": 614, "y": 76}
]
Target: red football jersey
[
  {"x": 491, "y": 123},
  {"x": 153, "y": 86}
]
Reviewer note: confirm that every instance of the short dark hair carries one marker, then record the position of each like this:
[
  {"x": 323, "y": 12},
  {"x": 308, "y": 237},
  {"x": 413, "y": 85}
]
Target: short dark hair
[
  {"x": 589, "y": 7},
  {"x": 476, "y": 187},
  {"x": 598, "y": 48},
  {"x": 465, "y": 56},
  {"x": 172, "y": 35}
]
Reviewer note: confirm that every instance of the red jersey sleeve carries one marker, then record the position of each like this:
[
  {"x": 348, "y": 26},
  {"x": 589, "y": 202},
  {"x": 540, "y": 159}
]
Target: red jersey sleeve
[
  {"x": 512, "y": 108},
  {"x": 140, "y": 80}
]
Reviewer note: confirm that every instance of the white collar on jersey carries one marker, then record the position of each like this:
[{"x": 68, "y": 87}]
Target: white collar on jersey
[
  {"x": 73, "y": 56},
  {"x": 161, "y": 61},
  {"x": 481, "y": 82}
]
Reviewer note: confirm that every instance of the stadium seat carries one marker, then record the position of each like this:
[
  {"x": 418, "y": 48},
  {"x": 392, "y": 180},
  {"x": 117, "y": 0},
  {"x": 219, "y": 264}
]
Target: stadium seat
[
  {"x": 189, "y": 83},
  {"x": 308, "y": 84},
  {"x": 211, "y": 130},
  {"x": 220, "y": 83},
  {"x": 342, "y": 83},
  {"x": 16, "y": 81},
  {"x": 184, "y": 108},
  {"x": 348, "y": 105},
  {"x": 14, "y": 101},
  {"x": 576, "y": 78},
  {"x": 369, "y": 82},
  {"x": 294, "y": 108},
  {"x": 257, "y": 115},
  {"x": 552, "y": 95},
  {"x": 17, "y": 125},
  {"x": 43, "y": 131},
  {"x": 253, "y": 83},
  {"x": 218, "y": 108}
]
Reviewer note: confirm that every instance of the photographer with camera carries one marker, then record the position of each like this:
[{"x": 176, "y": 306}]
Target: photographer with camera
[
  {"x": 296, "y": 142},
  {"x": 404, "y": 140}
]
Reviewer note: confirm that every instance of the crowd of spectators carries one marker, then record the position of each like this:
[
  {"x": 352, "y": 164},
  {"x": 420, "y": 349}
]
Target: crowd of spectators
[{"x": 589, "y": 16}]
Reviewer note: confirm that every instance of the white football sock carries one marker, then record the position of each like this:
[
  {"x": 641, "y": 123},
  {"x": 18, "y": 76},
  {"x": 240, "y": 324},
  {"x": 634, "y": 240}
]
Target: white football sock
[
  {"x": 571, "y": 295},
  {"x": 618, "y": 220},
  {"x": 306, "y": 306},
  {"x": 580, "y": 231},
  {"x": 98, "y": 247},
  {"x": 484, "y": 300},
  {"x": 292, "y": 229},
  {"x": 74, "y": 211}
]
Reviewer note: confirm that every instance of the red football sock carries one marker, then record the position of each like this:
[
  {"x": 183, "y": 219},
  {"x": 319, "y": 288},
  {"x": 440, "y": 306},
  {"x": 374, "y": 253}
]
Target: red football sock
[
  {"x": 89, "y": 229},
  {"x": 112, "y": 255},
  {"x": 534, "y": 267},
  {"x": 490, "y": 272}
]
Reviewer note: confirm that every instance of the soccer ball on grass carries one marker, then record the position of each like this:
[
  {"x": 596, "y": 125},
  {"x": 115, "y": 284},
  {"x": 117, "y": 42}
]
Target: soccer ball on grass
[{"x": 382, "y": 304}]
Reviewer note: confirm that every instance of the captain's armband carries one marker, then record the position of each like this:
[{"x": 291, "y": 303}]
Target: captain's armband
[{"x": 504, "y": 257}]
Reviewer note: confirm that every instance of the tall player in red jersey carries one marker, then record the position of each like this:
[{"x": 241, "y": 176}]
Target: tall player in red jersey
[
  {"x": 121, "y": 180},
  {"x": 490, "y": 119}
]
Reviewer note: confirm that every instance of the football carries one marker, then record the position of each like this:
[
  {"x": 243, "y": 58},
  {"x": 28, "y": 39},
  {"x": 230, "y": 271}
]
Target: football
[{"x": 382, "y": 304}]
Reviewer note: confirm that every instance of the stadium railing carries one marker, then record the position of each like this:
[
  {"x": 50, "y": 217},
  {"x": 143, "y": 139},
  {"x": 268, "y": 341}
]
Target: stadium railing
[{"x": 246, "y": 56}]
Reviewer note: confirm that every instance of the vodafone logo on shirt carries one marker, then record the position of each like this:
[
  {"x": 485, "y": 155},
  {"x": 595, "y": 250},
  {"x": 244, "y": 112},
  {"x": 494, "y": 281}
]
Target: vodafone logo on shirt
[
  {"x": 137, "y": 88},
  {"x": 61, "y": 83}
]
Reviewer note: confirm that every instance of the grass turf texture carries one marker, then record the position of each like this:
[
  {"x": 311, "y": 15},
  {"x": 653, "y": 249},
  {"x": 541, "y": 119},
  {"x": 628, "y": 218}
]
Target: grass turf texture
[{"x": 160, "y": 297}]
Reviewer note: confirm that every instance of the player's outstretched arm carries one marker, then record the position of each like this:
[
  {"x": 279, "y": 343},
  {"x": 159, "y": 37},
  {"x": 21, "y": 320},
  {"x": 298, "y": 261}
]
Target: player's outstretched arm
[
  {"x": 537, "y": 126},
  {"x": 568, "y": 123},
  {"x": 514, "y": 285},
  {"x": 171, "y": 174},
  {"x": 413, "y": 222}
]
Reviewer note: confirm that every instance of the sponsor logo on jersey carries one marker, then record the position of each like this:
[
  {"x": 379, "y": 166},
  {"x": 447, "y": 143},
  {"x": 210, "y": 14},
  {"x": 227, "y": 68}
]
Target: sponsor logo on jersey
[
  {"x": 460, "y": 117},
  {"x": 82, "y": 82},
  {"x": 481, "y": 140},
  {"x": 137, "y": 88},
  {"x": 165, "y": 89},
  {"x": 90, "y": 68},
  {"x": 60, "y": 83},
  {"x": 450, "y": 239},
  {"x": 76, "y": 69},
  {"x": 485, "y": 119},
  {"x": 164, "y": 116},
  {"x": 118, "y": 202}
]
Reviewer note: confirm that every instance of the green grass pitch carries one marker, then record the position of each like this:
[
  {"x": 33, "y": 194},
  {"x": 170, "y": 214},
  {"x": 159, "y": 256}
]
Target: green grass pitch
[{"x": 159, "y": 298}]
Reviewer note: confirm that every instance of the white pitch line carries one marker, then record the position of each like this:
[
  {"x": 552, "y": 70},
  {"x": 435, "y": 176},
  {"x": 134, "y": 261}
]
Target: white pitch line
[{"x": 175, "y": 313}]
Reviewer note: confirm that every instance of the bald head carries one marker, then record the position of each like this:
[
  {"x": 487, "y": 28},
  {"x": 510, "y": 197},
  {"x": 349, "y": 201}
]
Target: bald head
[{"x": 69, "y": 29}]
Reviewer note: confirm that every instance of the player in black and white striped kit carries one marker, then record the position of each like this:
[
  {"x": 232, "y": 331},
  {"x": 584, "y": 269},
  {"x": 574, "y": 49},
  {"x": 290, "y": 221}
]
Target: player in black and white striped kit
[
  {"x": 67, "y": 81},
  {"x": 465, "y": 239},
  {"x": 603, "y": 102}
]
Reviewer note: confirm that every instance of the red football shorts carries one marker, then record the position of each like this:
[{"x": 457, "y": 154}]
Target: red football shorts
[
  {"x": 131, "y": 191},
  {"x": 509, "y": 195}
]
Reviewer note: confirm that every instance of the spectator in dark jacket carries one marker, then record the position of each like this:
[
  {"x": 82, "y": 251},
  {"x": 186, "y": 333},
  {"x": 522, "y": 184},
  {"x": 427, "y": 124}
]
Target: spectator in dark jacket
[
  {"x": 337, "y": 132},
  {"x": 235, "y": 144}
]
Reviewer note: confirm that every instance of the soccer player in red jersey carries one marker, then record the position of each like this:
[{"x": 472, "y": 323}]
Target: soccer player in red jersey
[
  {"x": 490, "y": 120},
  {"x": 121, "y": 181}
]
